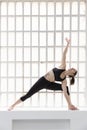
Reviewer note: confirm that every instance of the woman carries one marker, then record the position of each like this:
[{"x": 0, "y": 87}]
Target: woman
[{"x": 48, "y": 81}]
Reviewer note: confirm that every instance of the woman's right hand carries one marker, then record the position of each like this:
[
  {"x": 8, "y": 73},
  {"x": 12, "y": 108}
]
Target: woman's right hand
[{"x": 72, "y": 107}]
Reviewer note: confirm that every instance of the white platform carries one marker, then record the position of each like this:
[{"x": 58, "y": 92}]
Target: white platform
[{"x": 44, "y": 119}]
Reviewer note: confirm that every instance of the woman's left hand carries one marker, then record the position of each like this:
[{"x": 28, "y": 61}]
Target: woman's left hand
[{"x": 67, "y": 40}]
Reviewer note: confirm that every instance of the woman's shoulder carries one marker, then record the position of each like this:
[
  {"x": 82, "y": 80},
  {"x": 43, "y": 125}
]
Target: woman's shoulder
[{"x": 62, "y": 67}]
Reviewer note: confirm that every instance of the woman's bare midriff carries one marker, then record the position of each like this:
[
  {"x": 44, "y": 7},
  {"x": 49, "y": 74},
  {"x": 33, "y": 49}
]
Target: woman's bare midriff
[{"x": 50, "y": 76}]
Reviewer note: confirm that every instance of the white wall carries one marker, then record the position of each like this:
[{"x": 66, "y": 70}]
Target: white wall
[{"x": 48, "y": 120}]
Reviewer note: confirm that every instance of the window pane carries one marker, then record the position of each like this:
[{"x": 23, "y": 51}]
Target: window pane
[
  {"x": 81, "y": 100},
  {"x": 11, "y": 39},
  {"x": 66, "y": 8},
  {"x": 58, "y": 23},
  {"x": 50, "y": 54},
  {"x": 58, "y": 99},
  {"x": 34, "y": 23},
  {"x": 82, "y": 8},
  {"x": 58, "y": 39},
  {"x": 26, "y": 8},
  {"x": 82, "y": 23},
  {"x": 74, "y": 38},
  {"x": 11, "y": 8},
  {"x": 19, "y": 54},
  {"x": 3, "y": 39},
  {"x": 19, "y": 39},
  {"x": 3, "y": 85},
  {"x": 3, "y": 54},
  {"x": 11, "y": 85},
  {"x": 42, "y": 8},
  {"x": 3, "y": 23},
  {"x": 75, "y": 52},
  {"x": 34, "y": 39},
  {"x": 42, "y": 68},
  {"x": 66, "y": 23},
  {"x": 82, "y": 38},
  {"x": 58, "y": 8},
  {"x": 27, "y": 23},
  {"x": 34, "y": 70},
  {"x": 74, "y": 8},
  {"x": 58, "y": 54},
  {"x": 82, "y": 84},
  {"x": 3, "y": 69},
  {"x": 26, "y": 84},
  {"x": 42, "y": 39},
  {"x": 82, "y": 69},
  {"x": 42, "y": 23},
  {"x": 19, "y": 85},
  {"x": 35, "y": 99},
  {"x": 50, "y": 100},
  {"x": 18, "y": 8},
  {"x": 42, "y": 97},
  {"x": 19, "y": 69},
  {"x": 26, "y": 54},
  {"x": 42, "y": 54},
  {"x": 34, "y": 54},
  {"x": 4, "y": 8},
  {"x": 74, "y": 23},
  {"x": 26, "y": 39},
  {"x": 26, "y": 69},
  {"x": 51, "y": 23},
  {"x": 18, "y": 23},
  {"x": 11, "y": 54},
  {"x": 51, "y": 39},
  {"x": 82, "y": 54},
  {"x": 50, "y": 8},
  {"x": 11, "y": 69},
  {"x": 34, "y": 8},
  {"x": 3, "y": 100}
]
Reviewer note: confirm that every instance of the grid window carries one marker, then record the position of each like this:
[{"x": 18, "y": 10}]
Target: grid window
[{"x": 32, "y": 39}]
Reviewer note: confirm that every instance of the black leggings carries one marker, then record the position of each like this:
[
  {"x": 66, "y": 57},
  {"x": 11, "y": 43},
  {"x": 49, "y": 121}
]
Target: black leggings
[{"x": 42, "y": 83}]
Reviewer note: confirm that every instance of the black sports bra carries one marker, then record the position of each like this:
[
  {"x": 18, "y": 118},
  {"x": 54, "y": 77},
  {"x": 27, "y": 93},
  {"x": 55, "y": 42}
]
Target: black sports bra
[{"x": 57, "y": 73}]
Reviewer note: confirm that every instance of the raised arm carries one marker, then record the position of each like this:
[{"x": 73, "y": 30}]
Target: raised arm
[{"x": 63, "y": 61}]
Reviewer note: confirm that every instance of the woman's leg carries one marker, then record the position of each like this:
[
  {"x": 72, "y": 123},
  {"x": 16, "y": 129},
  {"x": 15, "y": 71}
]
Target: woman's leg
[
  {"x": 57, "y": 87},
  {"x": 54, "y": 86},
  {"x": 40, "y": 84}
]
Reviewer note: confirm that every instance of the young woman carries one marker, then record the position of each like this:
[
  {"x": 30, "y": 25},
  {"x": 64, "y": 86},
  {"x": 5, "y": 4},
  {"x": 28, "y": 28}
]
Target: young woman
[{"x": 48, "y": 82}]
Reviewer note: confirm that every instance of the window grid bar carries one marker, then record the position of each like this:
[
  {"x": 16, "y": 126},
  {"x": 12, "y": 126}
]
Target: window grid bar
[
  {"x": 54, "y": 44},
  {"x": 47, "y": 31},
  {"x": 23, "y": 48},
  {"x": 7, "y": 56},
  {"x": 38, "y": 0},
  {"x": 66, "y": 15},
  {"x": 86, "y": 58},
  {"x": 70, "y": 34},
  {"x": 38, "y": 48},
  {"x": 78, "y": 53},
  {"x": 46, "y": 45},
  {"x": 0, "y": 50},
  {"x": 15, "y": 53},
  {"x": 62, "y": 41},
  {"x": 31, "y": 49}
]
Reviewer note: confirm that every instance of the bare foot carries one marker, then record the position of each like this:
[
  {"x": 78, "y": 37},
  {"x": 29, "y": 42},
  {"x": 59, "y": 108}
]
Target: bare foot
[{"x": 10, "y": 108}]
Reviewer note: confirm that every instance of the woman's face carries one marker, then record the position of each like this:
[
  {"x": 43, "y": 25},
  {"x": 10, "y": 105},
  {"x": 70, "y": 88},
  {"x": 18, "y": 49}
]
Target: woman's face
[{"x": 72, "y": 71}]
